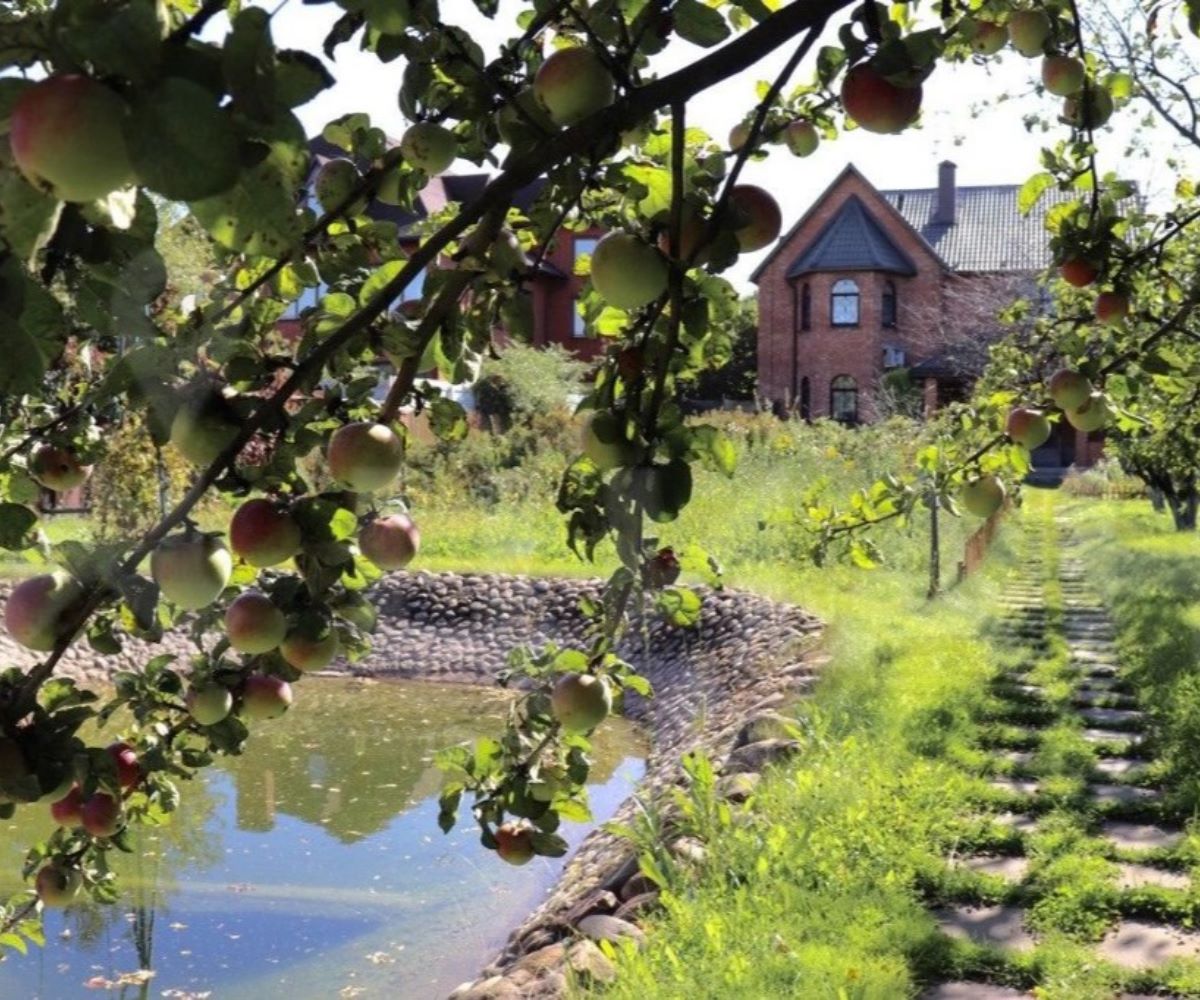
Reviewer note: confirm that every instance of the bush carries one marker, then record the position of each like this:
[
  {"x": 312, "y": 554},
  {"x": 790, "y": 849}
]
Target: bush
[
  {"x": 134, "y": 481},
  {"x": 525, "y": 382},
  {"x": 1106, "y": 480}
]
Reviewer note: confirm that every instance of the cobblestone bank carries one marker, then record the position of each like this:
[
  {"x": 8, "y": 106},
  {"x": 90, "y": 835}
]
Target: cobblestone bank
[{"x": 716, "y": 686}]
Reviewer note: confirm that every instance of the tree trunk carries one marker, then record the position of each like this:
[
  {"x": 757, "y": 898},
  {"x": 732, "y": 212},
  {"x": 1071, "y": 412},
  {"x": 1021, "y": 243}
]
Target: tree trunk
[
  {"x": 1183, "y": 511},
  {"x": 935, "y": 549}
]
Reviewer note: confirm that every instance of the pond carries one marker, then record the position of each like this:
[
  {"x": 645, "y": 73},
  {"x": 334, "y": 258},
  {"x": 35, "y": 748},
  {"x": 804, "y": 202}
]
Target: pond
[{"x": 312, "y": 867}]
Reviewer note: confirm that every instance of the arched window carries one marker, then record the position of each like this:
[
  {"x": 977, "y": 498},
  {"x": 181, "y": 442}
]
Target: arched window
[
  {"x": 843, "y": 305},
  {"x": 843, "y": 399},
  {"x": 806, "y": 307},
  {"x": 805, "y": 399},
  {"x": 887, "y": 308}
]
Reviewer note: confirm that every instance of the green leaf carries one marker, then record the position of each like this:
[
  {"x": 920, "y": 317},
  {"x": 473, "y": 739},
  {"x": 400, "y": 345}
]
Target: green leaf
[
  {"x": 1032, "y": 191},
  {"x": 699, "y": 24},
  {"x": 181, "y": 143},
  {"x": 28, "y": 218},
  {"x": 248, "y": 62},
  {"x": 448, "y": 420},
  {"x": 16, "y": 526},
  {"x": 549, "y": 845},
  {"x": 299, "y": 77},
  {"x": 26, "y": 357}
]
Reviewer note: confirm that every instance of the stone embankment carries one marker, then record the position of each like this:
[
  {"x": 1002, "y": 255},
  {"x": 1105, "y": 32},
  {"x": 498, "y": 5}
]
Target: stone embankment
[{"x": 717, "y": 687}]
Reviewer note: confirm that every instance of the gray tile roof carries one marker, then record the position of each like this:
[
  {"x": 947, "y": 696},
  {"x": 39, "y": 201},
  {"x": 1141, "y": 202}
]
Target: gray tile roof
[
  {"x": 989, "y": 233},
  {"x": 852, "y": 241}
]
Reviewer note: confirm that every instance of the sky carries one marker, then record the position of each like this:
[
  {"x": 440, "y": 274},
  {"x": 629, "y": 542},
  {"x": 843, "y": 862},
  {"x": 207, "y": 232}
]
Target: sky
[{"x": 961, "y": 120}]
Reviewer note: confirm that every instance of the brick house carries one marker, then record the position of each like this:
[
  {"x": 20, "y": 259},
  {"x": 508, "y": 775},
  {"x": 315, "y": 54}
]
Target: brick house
[
  {"x": 871, "y": 281},
  {"x": 554, "y": 288}
]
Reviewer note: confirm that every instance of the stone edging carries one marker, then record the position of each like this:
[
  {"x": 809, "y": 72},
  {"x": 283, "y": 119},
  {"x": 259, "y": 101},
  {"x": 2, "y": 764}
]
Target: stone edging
[{"x": 716, "y": 686}]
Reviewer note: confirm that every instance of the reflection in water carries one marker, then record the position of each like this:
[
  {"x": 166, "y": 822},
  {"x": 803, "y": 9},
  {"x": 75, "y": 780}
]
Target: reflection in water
[{"x": 312, "y": 866}]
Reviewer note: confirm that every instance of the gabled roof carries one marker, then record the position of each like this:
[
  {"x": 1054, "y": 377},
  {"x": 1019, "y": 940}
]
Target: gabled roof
[
  {"x": 850, "y": 170},
  {"x": 989, "y": 232},
  {"x": 852, "y": 241}
]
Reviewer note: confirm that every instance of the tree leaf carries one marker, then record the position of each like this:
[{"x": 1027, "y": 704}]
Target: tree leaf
[
  {"x": 28, "y": 218},
  {"x": 699, "y": 24},
  {"x": 16, "y": 526},
  {"x": 1032, "y": 191},
  {"x": 181, "y": 143}
]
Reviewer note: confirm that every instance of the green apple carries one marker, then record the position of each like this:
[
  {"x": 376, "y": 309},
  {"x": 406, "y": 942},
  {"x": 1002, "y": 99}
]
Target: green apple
[
  {"x": 627, "y": 272},
  {"x": 580, "y": 702},
  {"x": 1028, "y": 30},
  {"x": 801, "y": 137},
  {"x": 253, "y": 623},
  {"x": 57, "y": 469},
  {"x": 429, "y": 147},
  {"x": 365, "y": 456},
  {"x": 265, "y": 696},
  {"x": 1091, "y": 415},
  {"x": 57, "y": 885},
  {"x": 191, "y": 569},
  {"x": 307, "y": 651},
  {"x": 982, "y": 496},
  {"x": 209, "y": 703},
  {"x": 335, "y": 184},
  {"x": 39, "y": 610},
  {"x": 1069, "y": 389},
  {"x": 204, "y": 426},
  {"x": 1063, "y": 75},
  {"x": 573, "y": 84},
  {"x": 1027, "y": 427}
]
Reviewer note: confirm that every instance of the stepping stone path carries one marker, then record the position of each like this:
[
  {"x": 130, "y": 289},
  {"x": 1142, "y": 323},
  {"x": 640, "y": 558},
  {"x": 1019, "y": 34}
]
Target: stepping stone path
[{"x": 1107, "y": 716}]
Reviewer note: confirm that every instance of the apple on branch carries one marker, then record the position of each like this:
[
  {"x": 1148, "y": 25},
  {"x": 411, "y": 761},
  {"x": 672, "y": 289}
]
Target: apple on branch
[
  {"x": 514, "y": 842},
  {"x": 265, "y": 696},
  {"x": 191, "y": 568},
  {"x": 264, "y": 533},
  {"x": 391, "y": 541},
  {"x": 208, "y": 703},
  {"x": 877, "y": 104},
  {"x": 801, "y": 137},
  {"x": 580, "y": 702},
  {"x": 253, "y": 623},
  {"x": 982, "y": 496},
  {"x": 57, "y": 884},
  {"x": 57, "y": 469},
  {"x": 572, "y": 84},
  {"x": 365, "y": 456},
  {"x": 101, "y": 815},
  {"x": 429, "y": 147},
  {"x": 1069, "y": 389},
  {"x": 39, "y": 610},
  {"x": 627, "y": 272},
  {"x": 205, "y": 425},
  {"x": 1029, "y": 31},
  {"x": 312, "y": 646},
  {"x": 1027, "y": 427},
  {"x": 757, "y": 219}
]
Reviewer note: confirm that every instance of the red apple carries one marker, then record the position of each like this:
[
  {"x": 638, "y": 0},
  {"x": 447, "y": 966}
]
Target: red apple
[
  {"x": 129, "y": 771},
  {"x": 662, "y": 569},
  {"x": 580, "y": 702},
  {"x": 66, "y": 134},
  {"x": 627, "y": 272},
  {"x": 365, "y": 456},
  {"x": 39, "y": 610},
  {"x": 391, "y": 541},
  {"x": 204, "y": 426},
  {"x": 982, "y": 496},
  {"x": 254, "y": 625},
  {"x": 1078, "y": 272},
  {"x": 57, "y": 885},
  {"x": 514, "y": 843},
  {"x": 57, "y": 469},
  {"x": 1091, "y": 415},
  {"x": 1029, "y": 30},
  {"x": 308, "y": 652},
  {"x": 1063, "y": 75},
  {"x": 101, "y": 815},
  {"x": 208, "y": 704},
  {"x": 573, "y": 84},
  {"x": 1027, "y": 427},
  {"x": 877, "y": 104},
  {"x": 265, "y": 697},
  {"x": 1069, "y": 389},
  {"x": 1111, "y": 308},
  {"x": 68, "y": 811},
  {"x": 1090, "y": 108},
  {"x": 756, "y": 217},
  {"x": 801, "y": 137},
  {"x": 429, "y": 147},
  {"x": 263, "y": 533},
  {"x": 191, "y": 568}
]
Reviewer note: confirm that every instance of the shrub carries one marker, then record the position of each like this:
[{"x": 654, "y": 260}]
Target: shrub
[
  {"x": 524, "y": 382},
  {"x": 134, "y": 481},
  {"x": 1105, "y": 479}
]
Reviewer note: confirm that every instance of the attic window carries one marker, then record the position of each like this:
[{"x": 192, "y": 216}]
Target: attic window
[{"x": 843, "y": 306}]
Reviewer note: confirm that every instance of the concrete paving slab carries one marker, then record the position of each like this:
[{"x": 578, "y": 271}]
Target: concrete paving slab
[
  {"x": 1136, "y": 876},
  {"x": 1138, "y": 945},
  {"x": 1139, "y": 836},
  {"x": 1118, "y": 767},
  {"x": 1113, "y": 716},
  {"x": 1020, "y": 822},
  {"x": 1095, "y": 735},
  {"x": 1014, "y": 786},
  {"x": 1124, "y": 794},
  {"x": 1018, "y": 758},
  {"x": 1011, "y": 868},
  {"x": 1002, "y": 926}
]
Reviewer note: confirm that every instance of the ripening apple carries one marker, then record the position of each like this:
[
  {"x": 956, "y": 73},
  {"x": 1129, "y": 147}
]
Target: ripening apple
[
  {"x": 1091, "y": 415},
  {"x": 365, "y": 456},
  {"x": 982, "y": 496},
  {"x": 1029, "y": 30},
  {"x": 308, "y": 652},
  {"x": 253, "y": 623},
  {"x": 580, "y": 702},
  {"x": 627, "y": 272},
  {"x": 1078, "y": 272},
  {"x": 757, "y": 219},
  {"x": 263, "y": 533},
  {"x": 67, "y": 138},
  {"x": 692, "y": 232},
  {"x": 604, "y": 442},
  {"x": 1069, "y": 389},
  {"x": 68, "y": 811},
  {"x": 391, "y": 541},
  {"x": 335, "y": 184},
  {"x": 877, "y": 104},
  {"x": 39, "y": 609},
  {"x": 739, "y": 135},
  {"x": 204, "y": 426},
  {"x": 1027, "y": 427},
  {"x": 265, "y": 697},
  {"x": 573, "y": 84},
  {"x": 1063, "y": 75},
  {"x": 129, "y": 771},
  {"x": 101, "y": 815},
  {"x": 514, "y": 843},
  {"x": 57, "y": 469},
  {"x": 1112, "y": 308},
  {"x": 987, "y": 37},
  {"x": 429, "y": 147},
  {"x": 208, "y": 704},
  {"x": 57, "y": 885},
  {"x": 662, "y": 569},
  {"x": 191, "y": 568},
  {"x": 1090, "y": 108},
  {"x": 523, "y": 120},
  {"x": 801, "y": 137}
]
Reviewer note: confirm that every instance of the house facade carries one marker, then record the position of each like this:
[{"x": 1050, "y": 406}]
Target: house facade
[{"x": 871, "y": 282}]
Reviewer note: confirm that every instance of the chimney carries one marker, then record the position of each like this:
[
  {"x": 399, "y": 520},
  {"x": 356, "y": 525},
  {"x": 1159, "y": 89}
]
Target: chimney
[{"x": 944, "y": 212}]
